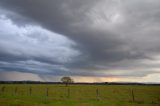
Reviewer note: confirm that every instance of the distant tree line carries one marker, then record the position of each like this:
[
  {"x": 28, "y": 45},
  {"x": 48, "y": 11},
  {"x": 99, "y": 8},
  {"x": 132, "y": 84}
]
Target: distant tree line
[{"x": 68, "y": 81}]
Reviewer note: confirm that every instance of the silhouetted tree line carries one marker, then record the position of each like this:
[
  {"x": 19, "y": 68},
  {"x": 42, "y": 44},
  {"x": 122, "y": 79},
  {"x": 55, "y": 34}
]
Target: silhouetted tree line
[{"x": 74, "y": 83}]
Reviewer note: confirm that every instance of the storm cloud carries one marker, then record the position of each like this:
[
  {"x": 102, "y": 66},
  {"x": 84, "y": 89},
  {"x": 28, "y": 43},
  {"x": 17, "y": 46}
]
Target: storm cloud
[{"x": 80, "y": 38}]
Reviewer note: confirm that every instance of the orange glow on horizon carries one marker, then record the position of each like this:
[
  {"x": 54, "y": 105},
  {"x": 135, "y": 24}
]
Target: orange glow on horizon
[{"x": 95, "y": 79}]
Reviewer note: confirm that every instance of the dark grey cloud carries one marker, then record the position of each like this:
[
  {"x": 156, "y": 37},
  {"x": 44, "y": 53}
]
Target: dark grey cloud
[{"x": 102, "y": 38}]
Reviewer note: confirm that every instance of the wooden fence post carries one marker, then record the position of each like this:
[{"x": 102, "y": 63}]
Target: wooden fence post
[
  {"x": 3, "y": 89},
  {"x": 47, "y": 92},
  {"x": 68, "y": 92},
  {"x": 133, "y": 98},
  {"x": 97, "y": 94},
  {"x": 30, "y": 90},
  {"x": 15, "y": 91}
]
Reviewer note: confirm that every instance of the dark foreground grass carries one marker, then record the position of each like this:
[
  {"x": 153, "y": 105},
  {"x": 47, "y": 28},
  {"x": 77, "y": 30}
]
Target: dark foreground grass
[{"x": 78, "y": 95}]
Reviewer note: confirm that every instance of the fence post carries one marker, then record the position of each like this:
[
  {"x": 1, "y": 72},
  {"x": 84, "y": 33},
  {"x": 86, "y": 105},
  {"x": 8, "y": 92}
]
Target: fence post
[
  {"x": 3, "y": 89},
  {"x": 47, "y": 92},
  {"x": 97, "y": 94},
  {"x": 133, "y": 98},
  {"x": 15, "y": 91},
  {"x": 30, "y": 91},
  {"x": 68, "y": 92}
]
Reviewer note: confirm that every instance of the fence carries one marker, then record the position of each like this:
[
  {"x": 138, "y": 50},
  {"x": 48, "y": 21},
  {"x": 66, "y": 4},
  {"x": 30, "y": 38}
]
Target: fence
[{"x": 69, "y": 92}]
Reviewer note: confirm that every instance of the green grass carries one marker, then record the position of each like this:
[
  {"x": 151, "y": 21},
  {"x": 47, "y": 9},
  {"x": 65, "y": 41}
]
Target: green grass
[{"x": 78, "y": 95}]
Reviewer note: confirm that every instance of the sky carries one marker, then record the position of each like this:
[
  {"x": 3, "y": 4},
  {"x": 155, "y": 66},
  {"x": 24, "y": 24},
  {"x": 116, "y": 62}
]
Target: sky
[{"x": 89, "y": 40}]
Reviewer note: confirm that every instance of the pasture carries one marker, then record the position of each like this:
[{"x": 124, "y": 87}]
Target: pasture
[{"x": 78, "y": 95}]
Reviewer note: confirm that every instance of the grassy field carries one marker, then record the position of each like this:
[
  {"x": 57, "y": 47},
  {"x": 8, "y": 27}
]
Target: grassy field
[{"x": 78, "y": 95}]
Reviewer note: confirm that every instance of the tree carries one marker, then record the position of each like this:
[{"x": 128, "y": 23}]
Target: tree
[{"x": 67, "y": 80}]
